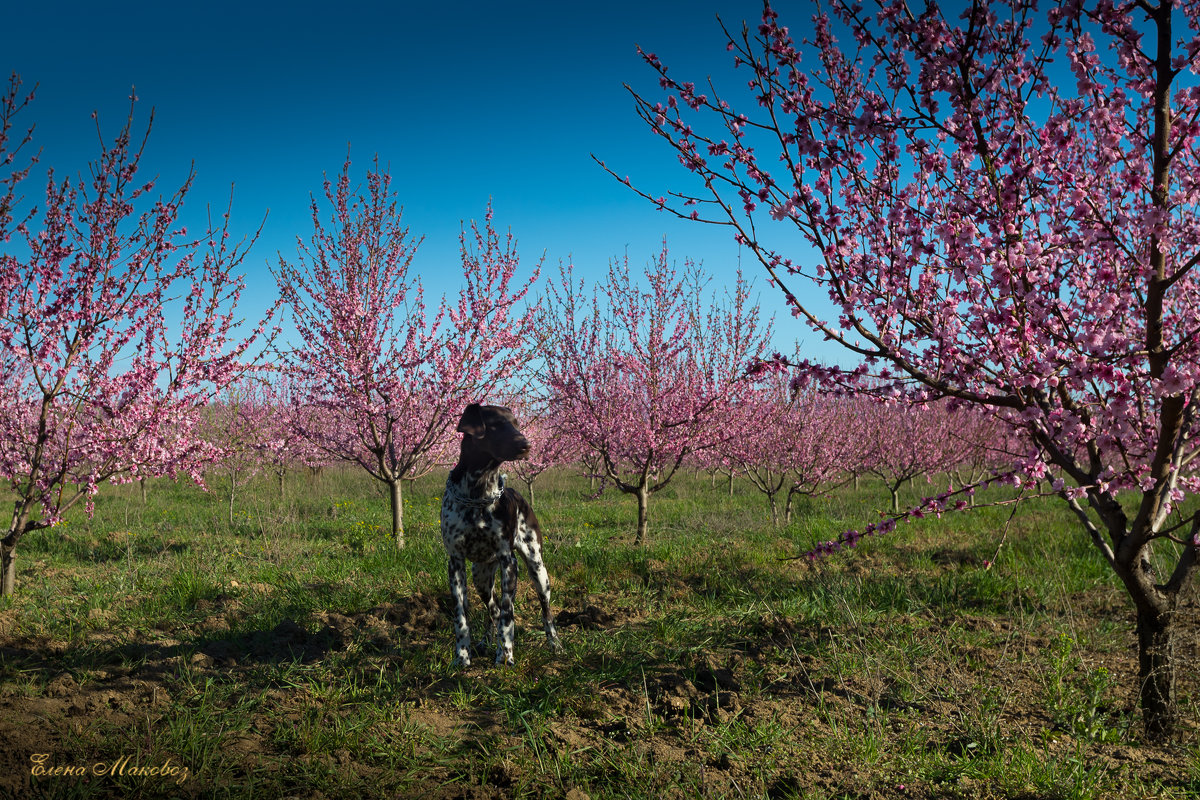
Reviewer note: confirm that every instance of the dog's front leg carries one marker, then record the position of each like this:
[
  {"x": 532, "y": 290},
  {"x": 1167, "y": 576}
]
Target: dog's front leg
[{"x": 458, "y": 590}]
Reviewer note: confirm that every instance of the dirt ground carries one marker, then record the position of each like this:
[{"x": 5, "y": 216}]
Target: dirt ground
[{"x": 57, "y": 694}]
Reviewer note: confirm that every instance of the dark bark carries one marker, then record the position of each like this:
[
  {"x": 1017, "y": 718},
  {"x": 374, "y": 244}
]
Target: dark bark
[
  {"x": 8, "y": 569},
  {"x": 1156, "y": 673}
]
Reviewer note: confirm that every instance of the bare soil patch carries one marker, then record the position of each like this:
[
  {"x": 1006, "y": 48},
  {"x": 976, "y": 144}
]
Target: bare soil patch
[{"x": 757, "y": 704}]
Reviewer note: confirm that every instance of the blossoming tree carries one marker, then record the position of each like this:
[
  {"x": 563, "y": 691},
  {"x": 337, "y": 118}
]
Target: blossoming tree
[
  {"x": 905, "y": 442},
  {"x": 1002, "y": 207},
  {"x": 798, "y": 443},
  {"x": 647, "y": 376},
  {"x": 282, "y": 446},
  {"x": 392, "y": 380},
  {"x": 236, "y": 425},
  {"x": 96, "y": 382},
  {"x": 552, "y": 441},
  {"x": 978, "y": 445}
]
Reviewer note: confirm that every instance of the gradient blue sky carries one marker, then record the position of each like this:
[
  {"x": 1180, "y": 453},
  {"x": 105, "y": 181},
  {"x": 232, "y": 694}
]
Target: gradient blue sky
[{"x": 466, "y": 101}]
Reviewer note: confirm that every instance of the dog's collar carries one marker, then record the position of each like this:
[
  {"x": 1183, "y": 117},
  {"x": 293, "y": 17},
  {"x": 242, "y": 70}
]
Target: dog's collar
[{"x": 479, "y": 502}]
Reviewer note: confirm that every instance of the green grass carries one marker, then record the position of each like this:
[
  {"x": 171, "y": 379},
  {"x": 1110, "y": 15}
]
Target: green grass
[{"x": 297, "y": 652}]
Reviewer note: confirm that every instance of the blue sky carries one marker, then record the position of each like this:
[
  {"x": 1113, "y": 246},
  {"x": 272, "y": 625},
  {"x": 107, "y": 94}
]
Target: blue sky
[{"x": 467, "y": 102}]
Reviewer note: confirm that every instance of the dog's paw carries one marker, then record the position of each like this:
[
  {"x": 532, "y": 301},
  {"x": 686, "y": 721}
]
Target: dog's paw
[
  {"x": 505, "y": 659},
  {"x": 462, "y": 661}
]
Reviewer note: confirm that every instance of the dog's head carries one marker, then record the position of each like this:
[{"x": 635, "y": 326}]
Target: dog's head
[{"x": 493, "y": 431}]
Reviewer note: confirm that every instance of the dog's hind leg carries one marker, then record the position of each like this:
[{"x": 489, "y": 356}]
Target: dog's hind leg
[
  {"x": 484, "y": 576},
  {"x": 506, "y": 625},
  {"x": 541, "y": 584}
]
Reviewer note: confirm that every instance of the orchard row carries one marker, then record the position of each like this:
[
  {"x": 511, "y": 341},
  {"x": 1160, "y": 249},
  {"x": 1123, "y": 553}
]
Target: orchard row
[{"x": 786, "y": 442}]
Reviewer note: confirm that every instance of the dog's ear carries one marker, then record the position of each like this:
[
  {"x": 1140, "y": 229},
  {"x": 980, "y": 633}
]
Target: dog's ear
[{"x": 471, "y": 422}]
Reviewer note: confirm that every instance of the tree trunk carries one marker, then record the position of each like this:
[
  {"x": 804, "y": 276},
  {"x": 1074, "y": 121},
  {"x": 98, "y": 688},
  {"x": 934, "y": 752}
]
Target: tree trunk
[
  {"x": 397, "y": 513},
  {"x": 282, "y": 492},
  {"x": 643, "y": 500},
  {"x": 232, "y": 492},
  {"x": 8, "y": 551},
  {"x": 142, "y": 483},
  {"x": 895, "y": 490},
  {"x": 1156, "y": 673},
  {"x": 731, "y": 483},
  {"x": 1155, "y": 606},
  {"x": 787, "y": 508},
  {"x": 8, "y": 569},
  {"x": 774, "y": 510}
]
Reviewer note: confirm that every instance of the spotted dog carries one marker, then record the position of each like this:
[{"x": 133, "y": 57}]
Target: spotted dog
[{"x": 488, "y": 524}]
